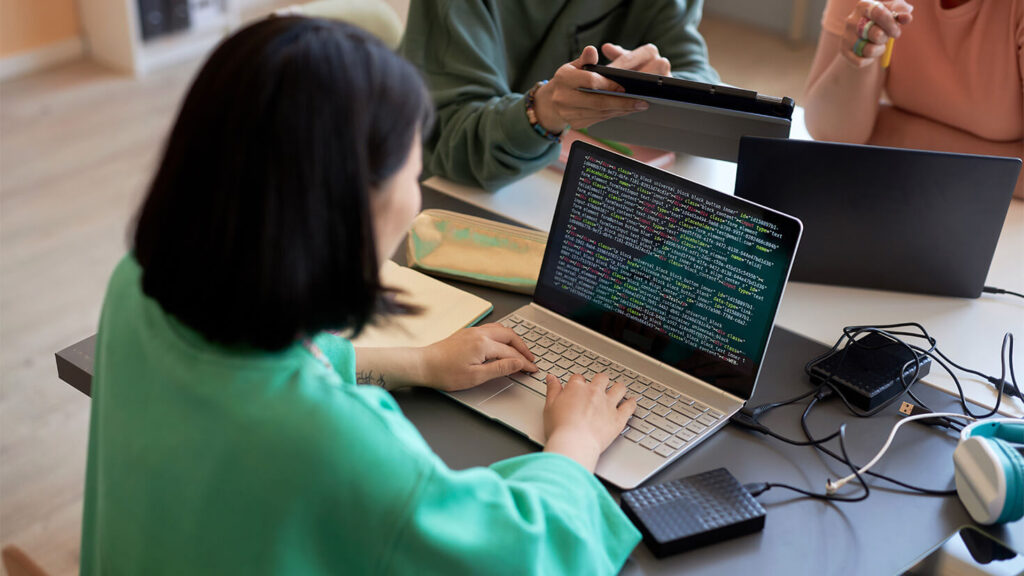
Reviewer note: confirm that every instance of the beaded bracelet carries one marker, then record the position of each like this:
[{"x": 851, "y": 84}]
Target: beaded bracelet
[{"x": 531, "y": 114}]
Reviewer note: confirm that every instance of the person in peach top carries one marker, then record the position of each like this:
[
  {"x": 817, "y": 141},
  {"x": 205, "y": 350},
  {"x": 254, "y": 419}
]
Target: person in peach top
[{"x": 954, "y": 82}]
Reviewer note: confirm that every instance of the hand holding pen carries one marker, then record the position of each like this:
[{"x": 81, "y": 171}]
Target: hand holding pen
[{"x": 871, "y": 29}]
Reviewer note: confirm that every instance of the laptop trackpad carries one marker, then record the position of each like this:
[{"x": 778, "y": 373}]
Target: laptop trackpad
[
  {"x": 520, "y": 408},
  {"x": 479, "y": 394}
]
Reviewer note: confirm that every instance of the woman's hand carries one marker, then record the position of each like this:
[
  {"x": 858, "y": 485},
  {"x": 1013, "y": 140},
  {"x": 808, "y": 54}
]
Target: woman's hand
[
  {"x": 582, "y": 419},
  {"x": 473, "y": 356},
  {"x": 559, "y": 103},
  {"x": 870, "y": 26}
]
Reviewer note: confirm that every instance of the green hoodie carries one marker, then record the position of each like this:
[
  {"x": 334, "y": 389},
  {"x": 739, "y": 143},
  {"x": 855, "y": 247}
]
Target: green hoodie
[{"x": 480, "y": 57}]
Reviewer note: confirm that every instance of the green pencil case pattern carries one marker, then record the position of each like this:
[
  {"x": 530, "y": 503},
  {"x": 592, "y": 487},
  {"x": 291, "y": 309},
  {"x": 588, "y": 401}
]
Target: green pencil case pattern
[{"x": 477, "y": 250}]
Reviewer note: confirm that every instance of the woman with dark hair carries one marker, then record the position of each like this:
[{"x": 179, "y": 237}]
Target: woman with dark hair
[{"x": 228, "y": 432}]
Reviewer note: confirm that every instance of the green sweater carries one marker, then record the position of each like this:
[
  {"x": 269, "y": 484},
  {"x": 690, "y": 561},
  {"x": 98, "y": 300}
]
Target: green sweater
[
  {"x": 204, "y": 460},
  {"x": 479, "y": 58}
]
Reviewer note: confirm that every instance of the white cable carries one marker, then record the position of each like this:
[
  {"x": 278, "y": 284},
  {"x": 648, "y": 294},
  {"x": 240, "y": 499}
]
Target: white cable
[{"x": 833, "y": 487}]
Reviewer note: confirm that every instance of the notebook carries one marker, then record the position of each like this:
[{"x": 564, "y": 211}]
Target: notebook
[{"x": 445, "y": 309}]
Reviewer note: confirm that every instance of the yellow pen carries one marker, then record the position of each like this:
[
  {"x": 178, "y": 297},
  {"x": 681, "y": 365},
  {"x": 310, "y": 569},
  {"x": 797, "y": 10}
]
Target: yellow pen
[{"x": 887, "y": 57}]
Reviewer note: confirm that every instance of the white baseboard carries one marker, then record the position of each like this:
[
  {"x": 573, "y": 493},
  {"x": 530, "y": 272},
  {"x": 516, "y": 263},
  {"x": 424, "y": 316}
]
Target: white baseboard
[{"x": 40, "y": 58}]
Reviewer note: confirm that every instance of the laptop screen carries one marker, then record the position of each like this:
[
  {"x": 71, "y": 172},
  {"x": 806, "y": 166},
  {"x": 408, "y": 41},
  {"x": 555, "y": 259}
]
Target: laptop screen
[{"x": 687, "y": 275}]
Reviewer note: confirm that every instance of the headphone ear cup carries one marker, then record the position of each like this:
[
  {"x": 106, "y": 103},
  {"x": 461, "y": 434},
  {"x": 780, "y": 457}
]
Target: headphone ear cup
[
  {"x": 1013, "y": 509},
  {"x": 981, "y": 477}
]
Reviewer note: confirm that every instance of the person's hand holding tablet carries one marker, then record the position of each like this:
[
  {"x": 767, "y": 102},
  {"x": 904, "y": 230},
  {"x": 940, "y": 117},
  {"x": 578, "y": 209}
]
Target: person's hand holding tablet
[{"x": 559, "y": 103}]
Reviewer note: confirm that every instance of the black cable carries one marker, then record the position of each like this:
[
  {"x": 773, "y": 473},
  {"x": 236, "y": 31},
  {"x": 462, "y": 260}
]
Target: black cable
[
  {"x": 994, "y": 290},
  {"x": 758, "y": 488},
  {"x": 900, "y": 483}
]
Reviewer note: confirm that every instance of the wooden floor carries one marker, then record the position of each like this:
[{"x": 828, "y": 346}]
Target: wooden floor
[{"x": 77, "y": 147}]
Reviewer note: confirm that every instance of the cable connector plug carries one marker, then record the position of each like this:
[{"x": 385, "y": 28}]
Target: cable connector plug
[
  {"x": 745, "y": 419},
  {"x": 757, "y": 488}
]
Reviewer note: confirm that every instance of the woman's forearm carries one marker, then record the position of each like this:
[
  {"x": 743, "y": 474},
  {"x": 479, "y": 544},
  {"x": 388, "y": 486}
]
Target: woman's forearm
[
  {"x": 389, "y": 368},
  {"x": 841, "y": 100},
  {"x": 900, "y": 129}
]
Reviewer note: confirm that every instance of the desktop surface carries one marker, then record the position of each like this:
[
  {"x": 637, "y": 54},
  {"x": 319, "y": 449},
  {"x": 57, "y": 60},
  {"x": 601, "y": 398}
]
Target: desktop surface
[{"x": 881, "y": 535}]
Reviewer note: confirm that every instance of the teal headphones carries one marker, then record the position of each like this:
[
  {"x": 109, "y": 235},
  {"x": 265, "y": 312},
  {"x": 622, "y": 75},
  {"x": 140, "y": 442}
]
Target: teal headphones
[{"x": 989, "y": 470}]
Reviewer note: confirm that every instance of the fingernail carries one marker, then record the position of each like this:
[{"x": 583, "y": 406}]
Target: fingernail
[
  {"x": 641, "y": 105},
  {"x": 533, "y": 367}
]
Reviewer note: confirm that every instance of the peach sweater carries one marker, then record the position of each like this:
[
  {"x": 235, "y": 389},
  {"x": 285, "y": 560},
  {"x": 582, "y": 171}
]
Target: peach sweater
[{"x": 961, "y": 67}]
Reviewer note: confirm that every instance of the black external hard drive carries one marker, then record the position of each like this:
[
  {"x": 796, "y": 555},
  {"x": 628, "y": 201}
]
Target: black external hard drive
[
  {"x": 868, "y": 372},
  {"x": 692, "y": 512}
]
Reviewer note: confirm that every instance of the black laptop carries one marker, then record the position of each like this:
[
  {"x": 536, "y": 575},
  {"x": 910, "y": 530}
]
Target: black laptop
[{"x": 885, "y": 218}]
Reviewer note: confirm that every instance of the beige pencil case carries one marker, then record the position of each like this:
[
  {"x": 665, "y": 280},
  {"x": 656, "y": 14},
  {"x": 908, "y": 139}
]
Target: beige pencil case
[{"x": 477, "y": 250}]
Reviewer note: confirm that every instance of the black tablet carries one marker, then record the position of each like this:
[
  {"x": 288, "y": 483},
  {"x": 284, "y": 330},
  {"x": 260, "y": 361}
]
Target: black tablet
[{"x": 670, "y": 88}]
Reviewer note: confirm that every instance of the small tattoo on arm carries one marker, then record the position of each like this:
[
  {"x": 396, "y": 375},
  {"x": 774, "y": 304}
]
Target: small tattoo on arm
[{"x": 371, "y": 378}]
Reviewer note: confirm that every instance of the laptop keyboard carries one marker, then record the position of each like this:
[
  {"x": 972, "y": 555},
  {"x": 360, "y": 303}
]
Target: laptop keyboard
[{"x": 665, "y": 421}]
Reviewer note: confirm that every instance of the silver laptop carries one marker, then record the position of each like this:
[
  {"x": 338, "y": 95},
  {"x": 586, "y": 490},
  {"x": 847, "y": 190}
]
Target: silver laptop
[{"x": 667, "y": 286}]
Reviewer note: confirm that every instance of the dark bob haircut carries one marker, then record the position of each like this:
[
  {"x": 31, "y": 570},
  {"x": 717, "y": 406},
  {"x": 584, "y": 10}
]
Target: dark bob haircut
[{"x": 256, "y": 230}]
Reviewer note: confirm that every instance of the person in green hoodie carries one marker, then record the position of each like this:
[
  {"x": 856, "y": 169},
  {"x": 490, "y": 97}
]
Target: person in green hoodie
[
  {"x": 504, "y": 74},
  {"x": 229, "y": 433}
]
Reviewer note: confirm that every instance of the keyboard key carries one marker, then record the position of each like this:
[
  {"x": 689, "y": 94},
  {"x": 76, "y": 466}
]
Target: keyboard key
[
  {"x": 662, "y": 411},
  {"x": 638, "y": 424},
  {"x": 715, "y": 414},
  {"x": 540, "y": 330},
  {"x": 588, "y": 374},
  {"x": 685, "y": 434},
  {"x": 528, "y": 324},
  {"x": 652, "y": 394},
  {"x": 656, "y": 386},
  {"x": 664, "y": 450},
  {"x": 679, "y": 419},
  {"x": 590, "y": 355},
  {"x": 636, "y": 388},
  {"x": 584, "y": 361},
  {"x": 672, "y": 393},
  {"x": 687, "y": 410},
  {"x": 706, "y": 420},
  {"x": 700, "y": 406},
  {"x": 646, "y": 403},
  {"x": 666, "y": 401},
  {"x": 531, "y": 336},
  {"x": 630, "y": 374},
  {"x": 684, "y": 399},
  {"x": 570, "y": 354},
  {"x": 696, "y": 427},
  {"x": 521, "y": 377},
  {"x": 558, "y": 372},
  {"x": 641, "y": 413},
  {"x": 545, "y": 342},
  {"x": 544, "y": 365},
  {"x": 603, "y": 361},
  {"x": 634, "y": 435},
  {"x": 662, "y": 423},
  {"x": 577, "y": 349},
  {"x": 649, "y": 443},
  {"x": 660, "y": 435},
  {"x": 551, "y": 357},
  {"x": 564, "y": 363},
  {"x": 520, "y": 329},
  {"x": 558, "y": 348},
  {"x": 675, "y": 443}
]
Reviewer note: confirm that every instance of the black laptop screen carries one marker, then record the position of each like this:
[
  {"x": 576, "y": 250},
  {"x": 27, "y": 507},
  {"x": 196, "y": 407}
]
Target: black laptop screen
[{"x": 687, "y": 275}]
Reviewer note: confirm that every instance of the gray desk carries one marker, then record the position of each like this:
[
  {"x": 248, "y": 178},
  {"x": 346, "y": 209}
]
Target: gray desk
[{"x": 881, "y": 535}]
